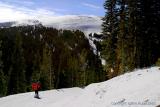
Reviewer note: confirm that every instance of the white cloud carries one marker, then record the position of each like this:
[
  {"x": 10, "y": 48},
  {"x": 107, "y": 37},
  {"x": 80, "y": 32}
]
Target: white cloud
[
  {"x": 91, "y": 5},
  {"x": 27, "y": 3},
  {"x": 60, "y": 10},
  {"x": 10, "y": 12}
]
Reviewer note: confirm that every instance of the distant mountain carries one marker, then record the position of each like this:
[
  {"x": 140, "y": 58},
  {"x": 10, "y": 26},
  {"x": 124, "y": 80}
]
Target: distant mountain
[
  {"x": 27, "y": 22},
  {"x": 87, "y": 24},
  {"x": 20, "y": 23},
  {"x": 7, "y": 24}
]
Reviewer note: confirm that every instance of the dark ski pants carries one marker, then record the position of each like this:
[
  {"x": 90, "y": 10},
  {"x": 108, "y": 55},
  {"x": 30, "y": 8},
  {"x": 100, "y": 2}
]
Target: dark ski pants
[{"x": 36, "y": 93}]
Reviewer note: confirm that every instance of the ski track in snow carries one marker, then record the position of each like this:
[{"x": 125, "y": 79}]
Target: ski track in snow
[{"x": 135, "y": 89}]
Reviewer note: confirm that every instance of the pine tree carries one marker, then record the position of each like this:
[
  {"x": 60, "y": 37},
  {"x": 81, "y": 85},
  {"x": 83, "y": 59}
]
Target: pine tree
[
  {"x": 73, "y": 75},
  {"x": 143, "y": 29},
  {"x": 83, "y": 65},
  {"x": 151, "y": 30},
  {"x": 17, "y": 83},
  {"x": 110, "y": 29},
  {"x": 46, "y": 74},
  {"x": 3, "y": 85},
  {"x": 134, "y": 41},
  {"x": 122, "y": 42}
]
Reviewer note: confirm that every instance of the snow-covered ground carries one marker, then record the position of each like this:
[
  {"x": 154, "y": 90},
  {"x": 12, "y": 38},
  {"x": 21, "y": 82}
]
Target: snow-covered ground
[{"x": 140, "y": 88}]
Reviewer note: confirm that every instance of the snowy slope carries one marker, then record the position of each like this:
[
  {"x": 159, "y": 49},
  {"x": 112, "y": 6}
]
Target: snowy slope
[
  {"x": 26, "y": 23},
  {"x": 84, "y": 23},
  {"x": 87, "y": 24},
  {"x": 136, "y": 89}
]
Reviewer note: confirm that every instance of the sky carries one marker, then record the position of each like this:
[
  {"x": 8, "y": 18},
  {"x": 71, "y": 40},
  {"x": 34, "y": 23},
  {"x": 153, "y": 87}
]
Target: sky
[{"x": 31, "y": 9}]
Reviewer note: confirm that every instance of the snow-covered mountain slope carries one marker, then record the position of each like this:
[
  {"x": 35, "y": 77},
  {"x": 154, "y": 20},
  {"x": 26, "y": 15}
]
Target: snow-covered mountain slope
[
  {"x": 140, "y": 88},
  {"x": 20, "y": 23},
  {"x": 83, "y": 23},
  {"x": 26, "y": 22},
  {"x": 87, "y": 24}
]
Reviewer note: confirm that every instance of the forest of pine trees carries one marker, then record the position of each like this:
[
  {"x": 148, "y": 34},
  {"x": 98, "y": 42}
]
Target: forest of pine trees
[
  {"x": 131, "y": 35},
  {"x": 56, "y": 58}
]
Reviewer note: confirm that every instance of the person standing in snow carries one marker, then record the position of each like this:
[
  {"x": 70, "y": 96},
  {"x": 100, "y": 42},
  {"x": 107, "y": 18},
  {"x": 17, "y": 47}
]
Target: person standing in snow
[{"x": 36, "y": 87}]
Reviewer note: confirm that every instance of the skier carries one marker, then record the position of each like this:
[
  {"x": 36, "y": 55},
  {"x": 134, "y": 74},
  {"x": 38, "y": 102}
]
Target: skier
[{"x": 36, "y": 87}]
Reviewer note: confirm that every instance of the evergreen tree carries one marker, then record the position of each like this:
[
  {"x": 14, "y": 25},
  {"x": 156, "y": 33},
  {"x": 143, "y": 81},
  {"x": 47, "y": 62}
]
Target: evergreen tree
[
  {"x": 46, "y": 74},
  {"x": 73, "y": 75},
  {"x": 17, "y": 81},
  {"x": 3, "y": 85},
  {"x": 122, "y": 42},
  {"x": 83, "y": 66},
  {"x": 110, "y": 29},
  {"x": 137, "y": 43}
]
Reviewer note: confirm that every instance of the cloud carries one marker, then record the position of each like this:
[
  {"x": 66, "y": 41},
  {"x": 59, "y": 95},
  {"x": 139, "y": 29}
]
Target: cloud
[
  {"x": 60, "y": 10},
  {"x": 29, "y": 3},
  {"x": 10, "y": 12},
  {"x": 20, "y": 2},
  {"x": 91, "y": 5}
]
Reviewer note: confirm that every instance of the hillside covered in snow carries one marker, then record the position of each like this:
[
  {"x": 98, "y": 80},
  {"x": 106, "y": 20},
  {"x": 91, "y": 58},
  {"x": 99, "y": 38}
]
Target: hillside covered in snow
[
  {"x": 86, "y": 24},
  {"x": 136, "y": 89}
]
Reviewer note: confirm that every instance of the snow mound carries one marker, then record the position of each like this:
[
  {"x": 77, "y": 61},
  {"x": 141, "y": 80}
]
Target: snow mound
[{"x": 135, "y": 89}]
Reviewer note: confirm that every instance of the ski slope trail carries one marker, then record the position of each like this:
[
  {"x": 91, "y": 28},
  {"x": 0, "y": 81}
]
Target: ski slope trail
[{"x": 140, "y": 88}]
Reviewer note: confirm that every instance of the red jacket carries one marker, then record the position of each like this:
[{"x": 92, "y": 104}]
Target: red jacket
[{"x": 36, "y": 86}]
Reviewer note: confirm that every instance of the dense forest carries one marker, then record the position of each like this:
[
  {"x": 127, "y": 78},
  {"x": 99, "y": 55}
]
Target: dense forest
[
  {"x": 131, "y": 35},
  {"x": 56, "y": 58}
]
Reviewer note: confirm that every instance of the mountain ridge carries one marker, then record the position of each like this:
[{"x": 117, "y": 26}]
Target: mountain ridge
[{"x": 87, "y": 24}]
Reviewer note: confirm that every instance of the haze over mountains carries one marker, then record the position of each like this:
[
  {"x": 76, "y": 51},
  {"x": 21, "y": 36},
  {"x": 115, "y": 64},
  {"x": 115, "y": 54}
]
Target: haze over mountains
[{"x": 87, "y": 24}]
